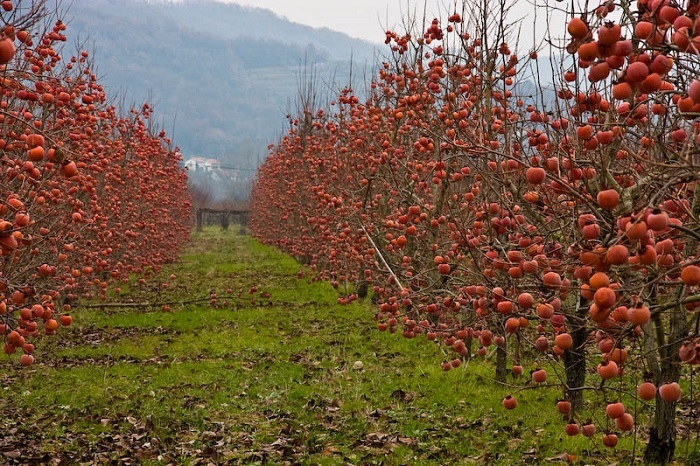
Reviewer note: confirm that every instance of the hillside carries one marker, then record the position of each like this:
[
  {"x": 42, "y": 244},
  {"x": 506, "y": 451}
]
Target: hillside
[{"x": 220, "y": 75}]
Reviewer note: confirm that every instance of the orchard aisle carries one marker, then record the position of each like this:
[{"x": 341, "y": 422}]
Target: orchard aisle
[{"x": 259, "y": 366}]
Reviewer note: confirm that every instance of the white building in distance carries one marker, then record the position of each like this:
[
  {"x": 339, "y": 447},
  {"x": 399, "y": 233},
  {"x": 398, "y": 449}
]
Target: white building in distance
[{"x": 202, "y": 164}]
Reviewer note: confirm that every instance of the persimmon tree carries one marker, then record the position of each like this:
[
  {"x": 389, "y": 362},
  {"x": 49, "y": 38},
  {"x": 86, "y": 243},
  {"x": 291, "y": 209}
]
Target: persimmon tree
[
  {"x": 645, "y": 188},
  {"x": 87, "y": 196},
  {"x": 560, "y": 228}
]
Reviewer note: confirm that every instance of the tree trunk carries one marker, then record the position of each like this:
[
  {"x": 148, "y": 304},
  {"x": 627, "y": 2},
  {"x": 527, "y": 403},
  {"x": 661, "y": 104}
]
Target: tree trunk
[
  {"x": 662, "y": 435},
  {"x": 501, "y": 370},
  {"x": 199, "y": 216},
  {"x": 575, "y": 362},
  {"x": 575, "y": 366},
  {"x": 468, "y": 344}
]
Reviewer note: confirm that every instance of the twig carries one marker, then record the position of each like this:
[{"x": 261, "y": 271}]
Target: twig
[{"x": 396, "y": 279}]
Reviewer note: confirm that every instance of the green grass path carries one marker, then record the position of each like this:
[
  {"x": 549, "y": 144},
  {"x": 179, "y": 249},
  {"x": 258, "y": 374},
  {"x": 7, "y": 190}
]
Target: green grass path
[{"x": 263, "y": 377}]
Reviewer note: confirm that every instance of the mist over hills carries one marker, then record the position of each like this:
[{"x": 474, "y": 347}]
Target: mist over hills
[{"x": 220, "y": 76}]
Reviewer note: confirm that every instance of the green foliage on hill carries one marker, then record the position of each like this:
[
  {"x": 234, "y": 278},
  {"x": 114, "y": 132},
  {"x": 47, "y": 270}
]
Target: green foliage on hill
[{"x": 220, "y": 75}]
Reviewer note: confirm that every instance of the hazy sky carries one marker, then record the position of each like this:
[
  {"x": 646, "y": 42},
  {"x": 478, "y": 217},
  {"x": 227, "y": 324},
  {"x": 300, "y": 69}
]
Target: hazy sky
[{"x": 368, "y": 19}]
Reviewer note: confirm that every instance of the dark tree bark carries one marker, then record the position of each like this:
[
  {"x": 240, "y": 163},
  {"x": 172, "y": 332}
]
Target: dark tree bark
[
  {"x": 199, "y": 215},
  {"x": 575, "y": 366},
  {"x": 662, "y": 435},
  {"x": 575, "y": 361},
  {"x": 501, "y": 370}
]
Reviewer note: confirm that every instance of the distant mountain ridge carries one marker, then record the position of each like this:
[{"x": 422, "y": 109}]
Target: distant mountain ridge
[
  {"x": 234, "y": 21},
  {"x": 220, "y": 75}
]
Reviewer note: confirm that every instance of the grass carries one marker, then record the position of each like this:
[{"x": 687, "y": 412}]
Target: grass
[{"x": 267, "y": 375}]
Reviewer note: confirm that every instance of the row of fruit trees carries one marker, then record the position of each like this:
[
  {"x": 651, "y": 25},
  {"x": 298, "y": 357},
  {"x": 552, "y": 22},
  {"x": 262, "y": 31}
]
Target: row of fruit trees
[
  {"x": 557, "y": 223},
  {"x": 88, "y": 194}
]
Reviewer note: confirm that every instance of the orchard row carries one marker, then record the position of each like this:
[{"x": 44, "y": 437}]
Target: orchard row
[
  {"x": 555, "y": 224},
  {"x": 87, "y": 195}
]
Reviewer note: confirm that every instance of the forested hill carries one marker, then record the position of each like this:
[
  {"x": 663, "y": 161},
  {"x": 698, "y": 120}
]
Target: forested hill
[{"x": 220, "y": 75}]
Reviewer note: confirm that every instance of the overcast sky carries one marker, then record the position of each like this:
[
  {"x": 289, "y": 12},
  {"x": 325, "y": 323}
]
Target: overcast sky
[{"x": 368, "y": 19}]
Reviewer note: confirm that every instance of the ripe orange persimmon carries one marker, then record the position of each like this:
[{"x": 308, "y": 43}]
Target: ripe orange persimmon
[
  {"x": 670, "y": 391},
  {"x": 643, "y": 30},
  {"x": 539, "y": 376},
  {"x": 564, "y": 341},
  {"x": 657, "y": 220},
  {"x": 694, "y": 91},
  {"x": 625, "y": 422},
  {"x": 608, "y": 199},
  {"x": 618, "y": 355},
  {"x": 588, "y": 429},
  {"x": 34, "y": 140},
  {"x": 617, "y": 255},
  {"x": 577, "y": 28},
  {"x": 668, "y": 14},
  {"x": 609, "y": 33},
  {"x": 651, "y": 83},
  {"x": 584, "y": 132},
  {"x": 545, "y": 311},
  {"x": 599, "y": 280},
  {"x": 26, "y": 359},
  {"x": 535, "y": 175},
  {"x": 65, "y": 320},
  {"x": 551, "y": 280},
  {"x": 599, "y": 71},
  {"x": 564, "y": 406},
  {"x": 610, "y": 440},
  {"x": 7, "y": 50},
  {"x": 597, "y": 314},
  {"x": 604, "y": 297},
  {"x": 615, "y": 410},
  {"x": 587, "y": 292},
  {"x": 36, "y": 154},
  {"x": 525, "y": 300},
  {"x": 639, "y": 314},
  {"x": 50, "y": 325},
  {"x": 691, "y": 275},
  {"x": 69, "y": 169},
  {"x": 589, "y": 51},
  {"x": 607, "y": 370},
  {"x": 512, "y": 325},
  {"x": 572, "y": 428},
  {"x": 646, "y": 391},
  {"x": 637, "y": 72},
  {"x": 510, "y": 402}
]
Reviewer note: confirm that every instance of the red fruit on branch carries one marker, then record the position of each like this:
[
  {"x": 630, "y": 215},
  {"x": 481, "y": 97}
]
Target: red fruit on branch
[
  {"x": 610, "y": 440},
  {"x": 572, "y": 428},
  {"x": 615, "y": 410},
  {"x": 646, "y": 391},
  {"x": 510, "y": 402},
  {"x": 539, "y": 376},
  {"x": 690, "y": 274},
  {"x": 577, "y": 28},
  {"x": 7, "y": 50},
  {"x": 670, "y": 391},
  {"x": 608, "y": 199}
]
